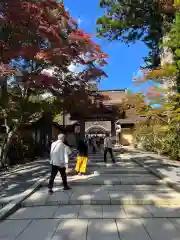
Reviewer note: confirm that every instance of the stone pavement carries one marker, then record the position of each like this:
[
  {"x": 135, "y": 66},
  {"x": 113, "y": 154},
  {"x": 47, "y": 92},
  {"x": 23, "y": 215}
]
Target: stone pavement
[
  {"x": 118, "y": 202},
  {"x": 162, "y": 164},
  {"x": 19, "y": 179}
]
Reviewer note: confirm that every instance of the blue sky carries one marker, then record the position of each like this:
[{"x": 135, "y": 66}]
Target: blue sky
[{"x": 123, "y": 62}]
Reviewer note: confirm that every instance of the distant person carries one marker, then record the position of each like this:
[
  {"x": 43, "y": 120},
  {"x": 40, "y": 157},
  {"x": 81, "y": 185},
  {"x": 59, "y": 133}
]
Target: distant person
[
  {"x": 90, "y": 143},
  {"x": 86, "y": 139},
  {"x": 98, "y": 143},
  {"x": 82, "y": 158},
  {"x": 94, "y": 145},
  {"x": 108, "y": 148},
  {"x": 59, "y": 156}
]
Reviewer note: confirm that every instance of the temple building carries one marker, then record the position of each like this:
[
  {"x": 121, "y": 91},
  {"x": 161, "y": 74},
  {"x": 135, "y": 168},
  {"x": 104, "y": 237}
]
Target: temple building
[{"x": 102, "y": 115}]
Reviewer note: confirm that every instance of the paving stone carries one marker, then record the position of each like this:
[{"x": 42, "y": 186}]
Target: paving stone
[
  {"x": 101, "y": 197},
  {"x": 164, "y": 198},
  {"x": 43, "y": 229},
  {"x": 136, "y": 211},
  {"x": 124, "y": 187},
  {"x": 71, "y": 229},
  {"x": 165, "y": 191},
  {"x": 175, "y": 222},
  {"x": 59, "y": 197},
  {"x": 86, "y": 189},
  {"x": 34, "y": 212},
  {"x": 10, "y": 229},
  {"x": 94, "y": 180},
  {"x": 38, "y": 198},
  {"x": 132, "y": 229},
  {"x": 116, "y": 197},
  {"x": 113, "y": 211},
  {"x": 166, "y": 195},
  {"x": 136, "y": 176},
  {"x": 112, "y": 170},
  {"x": 67, "y": 212},
  {"x": 113, "y": 198},
  {"x": 151, "y": 188},
  {"x": 161, "y": 229},
  {"x": 83, "y": 198},
  {"x": 136, "y": 194},
  {"x": 164, "y": 211},
  {"x": 107, "y": 187},
  {"x": 102, "y": 230},
  {"x": 137, "y": 197},
  {"x": 148, "y": 181},
  {"x": 90, "y": 211}
]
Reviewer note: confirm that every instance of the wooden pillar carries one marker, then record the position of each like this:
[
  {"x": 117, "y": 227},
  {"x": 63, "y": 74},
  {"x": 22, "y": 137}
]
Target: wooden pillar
[{"x": 113, "y": 129}]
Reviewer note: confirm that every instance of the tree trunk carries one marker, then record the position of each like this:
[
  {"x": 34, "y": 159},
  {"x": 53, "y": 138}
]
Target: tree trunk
[{"x": 6, "y": 145}]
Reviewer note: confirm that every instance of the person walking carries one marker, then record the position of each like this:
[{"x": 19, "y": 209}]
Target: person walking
[
  {"x": 59, "y": 156},
  {"x": 94, "y": 145},
  {"x": 82, "y": 158},
  {"x": 108, "y": 148}
]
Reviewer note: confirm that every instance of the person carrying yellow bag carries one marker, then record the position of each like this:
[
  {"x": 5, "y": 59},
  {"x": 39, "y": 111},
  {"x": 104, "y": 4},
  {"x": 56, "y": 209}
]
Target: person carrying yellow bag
[{"x": 82, "y": 158}]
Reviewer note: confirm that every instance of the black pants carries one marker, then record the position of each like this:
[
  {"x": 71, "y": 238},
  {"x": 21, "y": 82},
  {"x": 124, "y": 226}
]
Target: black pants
[
  {"x": 106, "y": 150},
  {"x": 94, "y": 149},
  {"x": 54, "y": 172}
]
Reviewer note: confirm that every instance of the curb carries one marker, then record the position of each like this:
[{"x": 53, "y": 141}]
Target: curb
[
  {"x": 15, "y": 204},
  {"x": 165, "y": 180}
]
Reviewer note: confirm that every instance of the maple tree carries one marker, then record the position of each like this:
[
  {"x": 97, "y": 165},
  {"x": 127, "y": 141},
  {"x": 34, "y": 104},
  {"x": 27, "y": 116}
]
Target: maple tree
[{"x": 42, "y": 34}]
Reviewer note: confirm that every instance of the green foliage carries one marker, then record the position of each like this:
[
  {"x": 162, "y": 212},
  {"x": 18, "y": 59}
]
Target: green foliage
[
  {"x": 57, "y": 118},
  {"x": 135, "y": 101},
  {"x": 161, "y": 131},
  {"x": 134, "y": 20},
  {"x": 22, "y": 149},
  {"x": 157, "y": 138},
  {"x": 173, "y": 43},
  {"x": 148, "y": 21}
]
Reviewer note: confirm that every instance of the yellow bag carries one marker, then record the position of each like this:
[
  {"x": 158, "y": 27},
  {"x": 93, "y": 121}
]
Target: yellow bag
[{"x": 81, "y": 164}]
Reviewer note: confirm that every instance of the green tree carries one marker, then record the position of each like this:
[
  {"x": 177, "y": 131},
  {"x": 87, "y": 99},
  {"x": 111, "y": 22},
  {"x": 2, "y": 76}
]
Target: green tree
[{"x": 132, "y": 20}]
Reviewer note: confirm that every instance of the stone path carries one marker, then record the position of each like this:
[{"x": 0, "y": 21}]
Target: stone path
[
  {"x": 162, "y": 164},
  {"x": 15, "y": 182},
  {"x": 117, "y": 202}
]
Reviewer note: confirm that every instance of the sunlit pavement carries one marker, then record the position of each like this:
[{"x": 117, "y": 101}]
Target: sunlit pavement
[
  {"x": 113, "y": 201},
  {"x": 18, "y": 180}
]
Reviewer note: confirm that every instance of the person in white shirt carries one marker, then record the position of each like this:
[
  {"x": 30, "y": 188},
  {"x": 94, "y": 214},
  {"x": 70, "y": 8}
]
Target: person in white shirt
[
  {"x": 108, "y": 148},
  {"x": 59, "y": 157}
]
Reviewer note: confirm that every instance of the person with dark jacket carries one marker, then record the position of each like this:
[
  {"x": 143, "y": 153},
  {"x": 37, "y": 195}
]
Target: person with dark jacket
[{"x": 82, "y": 158}]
